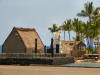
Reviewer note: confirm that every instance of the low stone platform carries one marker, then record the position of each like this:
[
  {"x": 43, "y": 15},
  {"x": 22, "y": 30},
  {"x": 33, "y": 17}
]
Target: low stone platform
[{"x": 26, "y": 59}]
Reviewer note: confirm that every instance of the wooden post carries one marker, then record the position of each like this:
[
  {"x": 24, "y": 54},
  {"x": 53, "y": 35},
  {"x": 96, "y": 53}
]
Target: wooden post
[
  {"x": 45, "y": 51},
  {"x": 57, "y": 48},
  {"x": 35, "y": 45},
  {"x": 52, "y": 52}
]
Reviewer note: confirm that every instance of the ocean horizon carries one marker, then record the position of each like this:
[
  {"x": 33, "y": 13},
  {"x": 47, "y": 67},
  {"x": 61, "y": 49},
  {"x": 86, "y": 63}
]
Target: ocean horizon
[{"x": 0, "y": 48}]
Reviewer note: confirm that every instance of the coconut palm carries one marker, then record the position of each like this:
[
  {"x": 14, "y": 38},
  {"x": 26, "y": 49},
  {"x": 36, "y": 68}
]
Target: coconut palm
[
  {"x": 95, "y": 27},
  {"x": 63, "y": 28},
  {"x": 86, "y": 31},
  {"x": 92, "y": 13},
  {"x": 82, "y": 30},
  {"x": 54, "y": 28},
  {"x": 77, "y": 27},
  {"x": 88, "y": 11},
  {"x": 67, "y": 26},
  {"x": 92, "y": 31}
]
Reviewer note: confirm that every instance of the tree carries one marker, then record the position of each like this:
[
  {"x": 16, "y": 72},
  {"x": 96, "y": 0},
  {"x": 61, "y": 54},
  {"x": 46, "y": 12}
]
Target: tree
[
  {"x": 54, "y": 28},
  {"x": 77, "y": 28},
  {"x": 88, "y": 11},
  {"x": 63, "y": 27},
  {"x": 92, "y": 14},
  {"x": 82, "y": 30},
  {"x": 67, "y": 27}
]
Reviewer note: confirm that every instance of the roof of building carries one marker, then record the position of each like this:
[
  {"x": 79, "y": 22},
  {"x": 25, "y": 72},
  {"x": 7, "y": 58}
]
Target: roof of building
[
  {"x": 25, "y": 29},
  {"x": 70, "y": 45},
  {"x": 28, "y": 36},
  {"x": 73, "y": 42}
]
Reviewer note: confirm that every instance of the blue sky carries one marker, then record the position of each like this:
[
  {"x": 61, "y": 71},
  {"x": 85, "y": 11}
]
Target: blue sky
[{"x": 39, "y": 14}]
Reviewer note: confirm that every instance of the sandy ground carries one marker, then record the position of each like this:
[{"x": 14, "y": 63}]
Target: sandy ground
[{"x": 45, "y": 70}]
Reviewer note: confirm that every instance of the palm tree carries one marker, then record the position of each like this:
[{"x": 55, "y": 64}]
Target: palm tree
[
  {"x": 86, "y": 31},
  {"x": 82, "y": 30},
  {"x": 95, "y": 27},
  {"x": 66, "y": 27},
  {"x": 92, "y": 13},
  {"x": 88, "y": 11},
  {"x": 77, "y": 27},
  {"x": 54, "y": 28},
  {"x": 92, "y": 31},
  {"x": 63, "y": 27}
]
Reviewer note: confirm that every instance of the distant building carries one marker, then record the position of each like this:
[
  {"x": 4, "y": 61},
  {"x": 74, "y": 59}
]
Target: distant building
[
  {"x": 22, "y": 40},
  {"x": 72, "y": 47}
]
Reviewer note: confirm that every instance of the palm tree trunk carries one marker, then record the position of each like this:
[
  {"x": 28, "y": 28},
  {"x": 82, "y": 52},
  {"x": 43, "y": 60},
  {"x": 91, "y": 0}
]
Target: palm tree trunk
[
  {"x": 88, "y": 44},
  {"x": 81, "y": 37},
  {"x": 64, "y": 34},
  {"x": 98, "y": 41},
  {"x": 77, "y": 36},
  {"x": 69, "y": 35},
  {"x": 91, "y": 45},
  {"x": 90, "y": 40}
]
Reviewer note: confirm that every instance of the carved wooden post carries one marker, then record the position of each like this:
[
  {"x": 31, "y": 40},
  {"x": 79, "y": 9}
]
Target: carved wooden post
[
  {"x": 45, "y": 51},
  {"x": 52, "y": 52},
  {"x": 35, "y": 45},
  {"x": 57, "y": 48}
]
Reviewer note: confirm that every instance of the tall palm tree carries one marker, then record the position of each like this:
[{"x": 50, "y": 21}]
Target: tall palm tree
[
  {"x": 67, "y": 26},
  {"x": 90, "y": 12},
  {"x": 77, "y": 27},
  {"x": 82, "y": 30},
  {"x": 87, "y": 12},
  {"x": 63, "y": 27},
  {"x": 86, "y": 31},
  {"x": 95, "y": 27},
  {"x": 92, "y": 31},
  {"x": 54, "y": 28}
]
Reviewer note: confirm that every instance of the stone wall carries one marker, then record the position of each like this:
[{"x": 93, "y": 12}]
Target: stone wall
[
  {"x": 63, "y": 60},
  {"x": 35, "y": 59}
]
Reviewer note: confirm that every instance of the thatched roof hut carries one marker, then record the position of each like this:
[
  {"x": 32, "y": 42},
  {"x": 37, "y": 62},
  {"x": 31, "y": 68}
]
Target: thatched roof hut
[
  {"x": 22, "y": 40},
  {"x": 72, "y": 47}
]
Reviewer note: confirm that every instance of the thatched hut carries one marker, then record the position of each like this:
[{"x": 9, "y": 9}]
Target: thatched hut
[
  {"x": 22, "y": 40},
  {"x": 72, "y": 47}
]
